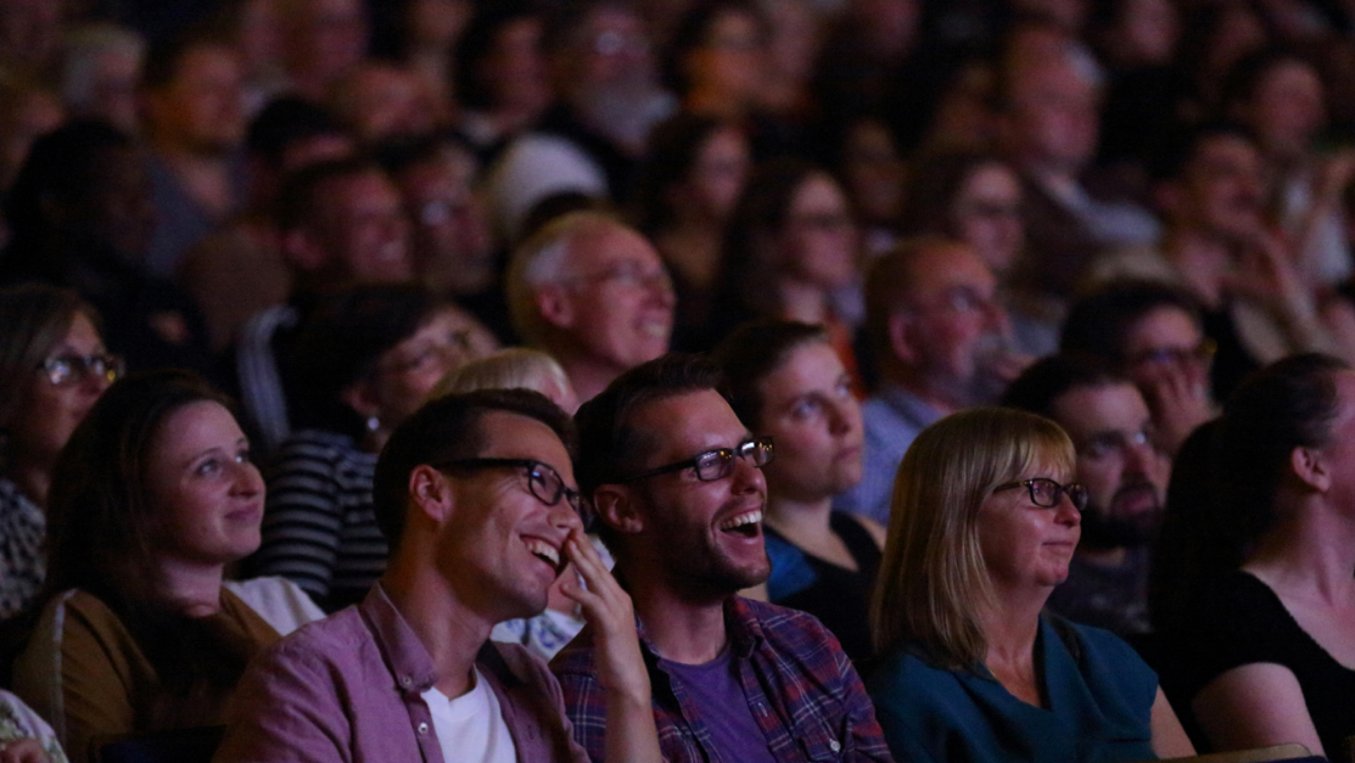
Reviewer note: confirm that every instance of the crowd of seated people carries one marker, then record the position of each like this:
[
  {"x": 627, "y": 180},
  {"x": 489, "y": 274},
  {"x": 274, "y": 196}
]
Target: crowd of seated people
[{"x": 631, "y": 380}]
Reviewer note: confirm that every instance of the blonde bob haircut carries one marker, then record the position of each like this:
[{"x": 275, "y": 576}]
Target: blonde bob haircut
[
  {"x": 507, "y": 369},
  {"x": 933, "y": 581}
]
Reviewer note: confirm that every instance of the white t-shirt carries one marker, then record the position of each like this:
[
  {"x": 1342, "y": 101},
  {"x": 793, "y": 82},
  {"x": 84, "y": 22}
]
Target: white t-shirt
[{"x": 471, "y": 727}]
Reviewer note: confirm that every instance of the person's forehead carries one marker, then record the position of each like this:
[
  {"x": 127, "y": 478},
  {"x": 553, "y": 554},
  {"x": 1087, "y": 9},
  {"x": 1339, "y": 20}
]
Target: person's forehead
[
  {"x": 514, "y": 435},
  {"x": 992, "y": 179},
  {"x": 690, "y": 422},
  {"x": 363, "y": 187},
  {"x": 1086, "y": 409},
  {"x": 610, "y": 245},
  {"x": 944, "y": 267},
  {"x": 1228, "y": 150},
  {"x": 1163, "y": 326}
]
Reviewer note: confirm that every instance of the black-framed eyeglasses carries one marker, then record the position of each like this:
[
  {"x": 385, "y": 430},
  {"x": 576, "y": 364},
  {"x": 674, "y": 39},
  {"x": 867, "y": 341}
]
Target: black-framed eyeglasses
[
  {"x": 543, "y": 481},
  {"x": 1046, "y": 493},
  {"x": 718, "y": 463},
  {"x": 64, "y": 370}
]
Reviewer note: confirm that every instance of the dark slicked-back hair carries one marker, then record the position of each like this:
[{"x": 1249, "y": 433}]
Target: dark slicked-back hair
[
  {"x": 1289, "y": 404},
  {"x": 610, "y": 448},
  {"x": 751, "y": 353},
  {"x": 1099, "y": 323},
  {"x": 447, "y": 429},
  {"x": 1048, "y": 379}
]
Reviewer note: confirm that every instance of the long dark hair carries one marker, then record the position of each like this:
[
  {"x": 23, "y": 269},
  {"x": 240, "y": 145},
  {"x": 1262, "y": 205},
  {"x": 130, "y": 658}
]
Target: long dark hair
[{"x": 103, "y": 530}]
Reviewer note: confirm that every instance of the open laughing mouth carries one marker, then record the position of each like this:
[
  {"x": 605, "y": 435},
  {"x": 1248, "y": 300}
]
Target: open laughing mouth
[
  {"x": 745, "y": 523},
  {"x": 545, "y": 552}
]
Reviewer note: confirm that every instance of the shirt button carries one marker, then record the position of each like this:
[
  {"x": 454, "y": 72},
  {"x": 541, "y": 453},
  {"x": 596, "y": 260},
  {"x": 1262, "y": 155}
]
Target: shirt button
[
  {"x": 834, "y": 745},
  {"x": 406, "y": 681},
  {"x": 423, "y": 728}
]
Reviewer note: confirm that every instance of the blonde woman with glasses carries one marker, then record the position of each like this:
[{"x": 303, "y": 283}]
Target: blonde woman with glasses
[{"x": 984, "y": 523}]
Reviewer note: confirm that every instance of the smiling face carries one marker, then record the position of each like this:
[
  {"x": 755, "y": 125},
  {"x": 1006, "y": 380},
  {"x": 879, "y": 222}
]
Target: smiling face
[
  {"x": 953, "y": 323},
  {"x": 408, "y": 372},
  {"x": 1025, "y": 546},
  {"x": 809, "y": 410},
  {"x": 1222, "y": 190},
  {"x": 50, "y": 413},
  {"x": 206, "y": 494},
  {"x": 1125, "y": 475},
  {"x": 705, "y": 537},
  {"x": 619, "y": 299},
  {"x": 362, "y": 230},
  {"x": 501, "y": 548}
]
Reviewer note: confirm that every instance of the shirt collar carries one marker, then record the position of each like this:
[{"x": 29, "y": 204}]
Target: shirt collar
[
  {"x": 405, "y": 654},
  {"x": 741, "y": 624}
]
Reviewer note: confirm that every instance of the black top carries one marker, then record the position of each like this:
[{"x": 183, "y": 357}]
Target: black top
[
  {"x": 1240, "y": 621},
  {"x": 839, "y": 597}
]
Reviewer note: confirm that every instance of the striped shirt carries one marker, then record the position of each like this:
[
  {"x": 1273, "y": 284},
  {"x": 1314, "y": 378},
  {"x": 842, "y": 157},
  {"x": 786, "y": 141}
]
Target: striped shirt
[
  {"x": 319, "y": 526},
  {"x": 805, "y": 695},
  {"x": 23, "y": 558}
]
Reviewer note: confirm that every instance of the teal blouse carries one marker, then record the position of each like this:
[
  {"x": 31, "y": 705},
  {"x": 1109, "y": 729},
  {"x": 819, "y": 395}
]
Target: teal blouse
[{"x": 1098, "y": 696}]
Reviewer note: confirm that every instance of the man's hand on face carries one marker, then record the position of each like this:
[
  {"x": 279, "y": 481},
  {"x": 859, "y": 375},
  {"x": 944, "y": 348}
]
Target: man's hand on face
[{"x": 608, "y": 609}]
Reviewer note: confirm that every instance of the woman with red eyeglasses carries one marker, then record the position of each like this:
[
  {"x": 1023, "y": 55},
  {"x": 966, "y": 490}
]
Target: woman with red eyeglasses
[{"x": 53, "y": 366}]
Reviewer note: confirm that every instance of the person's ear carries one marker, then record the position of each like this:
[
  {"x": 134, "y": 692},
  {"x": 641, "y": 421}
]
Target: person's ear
[
  {"x": 554, "y": 305},
  {"x": 1311, "y": 468},
  {"x": 363, "y": 397},
  {"x": 901, "y": 327},
  {"x": 616, "y": 507},
  {"x": 431, "y": 494}
]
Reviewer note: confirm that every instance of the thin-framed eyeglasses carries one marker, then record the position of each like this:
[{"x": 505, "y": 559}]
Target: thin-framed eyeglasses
[
  {"x": 1163, "y": 356},
  {"x": 629, "y": 274},
  {"x": 1046, "y": 493},
  {"x": 543, "y": 481},
  {"x": 718, "y": 463},
  {"x": 64, "y": 370}
]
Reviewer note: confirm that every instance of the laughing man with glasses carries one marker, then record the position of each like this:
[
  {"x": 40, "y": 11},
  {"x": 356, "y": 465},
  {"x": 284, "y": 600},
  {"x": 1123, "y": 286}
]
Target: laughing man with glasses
[
  {"x": 676, "y": 482},
  {"x": 475, "y": 494}
]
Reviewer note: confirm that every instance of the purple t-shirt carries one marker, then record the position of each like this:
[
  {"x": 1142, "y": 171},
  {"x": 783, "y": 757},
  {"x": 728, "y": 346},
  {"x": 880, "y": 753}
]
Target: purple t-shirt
[{"x": 733, "y": 729}]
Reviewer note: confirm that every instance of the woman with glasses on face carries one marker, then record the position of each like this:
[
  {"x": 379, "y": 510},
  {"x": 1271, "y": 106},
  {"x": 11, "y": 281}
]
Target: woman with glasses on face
[
  {"x": 364, "y": 361},
  {"x": 983, "y": 526},
  {"x": 791, "y": 252},
  {"x": 784, "y": 380},
  {"x": 53, "y": 367},
  {"x": 151, "y": 499}
]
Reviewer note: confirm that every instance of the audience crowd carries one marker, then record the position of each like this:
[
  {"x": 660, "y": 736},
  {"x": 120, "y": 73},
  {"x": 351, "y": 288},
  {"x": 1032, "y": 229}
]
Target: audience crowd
[{"x": 687, "y": 380}]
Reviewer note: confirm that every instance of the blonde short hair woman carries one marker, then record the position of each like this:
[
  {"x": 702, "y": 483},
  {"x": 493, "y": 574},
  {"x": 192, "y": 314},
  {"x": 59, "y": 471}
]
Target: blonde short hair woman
[{"x": 982, "y": 528}]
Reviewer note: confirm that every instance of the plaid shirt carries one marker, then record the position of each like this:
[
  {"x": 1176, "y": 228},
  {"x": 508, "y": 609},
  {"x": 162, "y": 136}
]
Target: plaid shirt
[{"x": 800, "y": 685}]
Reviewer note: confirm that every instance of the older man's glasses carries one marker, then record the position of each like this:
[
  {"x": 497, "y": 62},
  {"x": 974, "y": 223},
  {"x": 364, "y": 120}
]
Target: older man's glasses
[
  {"x": 65, "y": 370},
  {"x": 543, "y": 481},
  {"x": 718, "y": 463},
  {"x": 1047, "y": 493}
]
